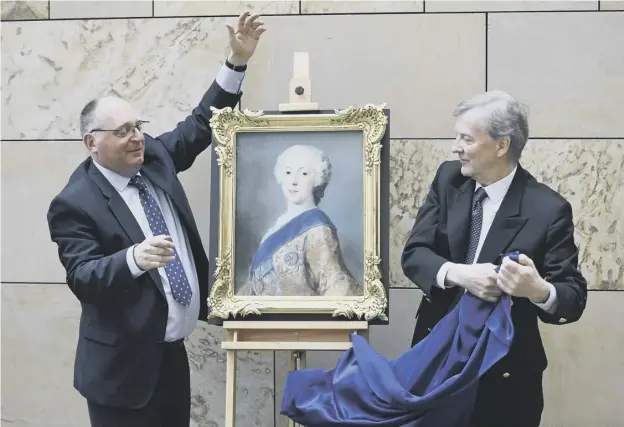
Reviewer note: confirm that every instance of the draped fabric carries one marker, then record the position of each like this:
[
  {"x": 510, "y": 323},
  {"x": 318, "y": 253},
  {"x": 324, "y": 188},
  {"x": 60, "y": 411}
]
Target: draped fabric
[{"x": 432, "y": 384}]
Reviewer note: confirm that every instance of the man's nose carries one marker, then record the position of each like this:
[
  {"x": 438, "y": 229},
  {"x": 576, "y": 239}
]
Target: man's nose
[
  {"x": 136, "y": 135},
  {"x": 456, "y": 147}
]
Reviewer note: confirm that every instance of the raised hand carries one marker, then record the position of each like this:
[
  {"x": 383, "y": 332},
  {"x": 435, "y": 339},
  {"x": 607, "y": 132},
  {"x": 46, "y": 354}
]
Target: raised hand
[{"x": 244, "y": 38}]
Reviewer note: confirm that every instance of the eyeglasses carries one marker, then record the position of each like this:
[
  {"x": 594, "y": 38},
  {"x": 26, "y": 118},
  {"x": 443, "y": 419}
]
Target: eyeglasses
[{"x": 124, "y": 130}]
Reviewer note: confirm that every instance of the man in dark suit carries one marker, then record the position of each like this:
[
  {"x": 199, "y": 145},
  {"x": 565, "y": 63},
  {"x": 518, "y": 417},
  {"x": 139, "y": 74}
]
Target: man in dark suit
[
  {"x": 477, "y": 208},
  {"x": 133, "y": 255}
]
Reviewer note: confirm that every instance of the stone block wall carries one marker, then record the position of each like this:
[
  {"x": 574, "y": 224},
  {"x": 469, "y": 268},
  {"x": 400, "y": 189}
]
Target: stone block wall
[{"x": 565, "y": 59}]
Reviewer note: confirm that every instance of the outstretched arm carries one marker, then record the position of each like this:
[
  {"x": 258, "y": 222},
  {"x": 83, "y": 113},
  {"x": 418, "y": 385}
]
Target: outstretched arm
[{"x": 193, "y": 135}]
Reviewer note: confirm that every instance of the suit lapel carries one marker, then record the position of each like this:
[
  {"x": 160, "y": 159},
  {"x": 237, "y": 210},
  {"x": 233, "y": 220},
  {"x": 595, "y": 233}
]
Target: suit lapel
[
  {"x": 459, "y": 203},
  {"x": 507, "y": 222},
  {"x": 118, "y": 207},
  {"x": 124, "y": 216}
]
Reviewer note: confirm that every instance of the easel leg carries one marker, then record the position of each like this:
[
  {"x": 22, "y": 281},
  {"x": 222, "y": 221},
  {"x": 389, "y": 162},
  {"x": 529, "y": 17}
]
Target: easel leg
[
  {"x": 297, "y": 361},
  {"x": 230, "y": 389}
]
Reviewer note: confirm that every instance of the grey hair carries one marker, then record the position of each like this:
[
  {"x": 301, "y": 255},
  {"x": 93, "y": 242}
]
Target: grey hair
[
  {"x": 319, "y": 160},
  {"x": 88, "y": 117},
  {"x": 506, "y": 117}
]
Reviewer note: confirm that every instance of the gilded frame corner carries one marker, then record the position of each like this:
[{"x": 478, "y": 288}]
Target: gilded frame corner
[{"x": 225, "y": 124}]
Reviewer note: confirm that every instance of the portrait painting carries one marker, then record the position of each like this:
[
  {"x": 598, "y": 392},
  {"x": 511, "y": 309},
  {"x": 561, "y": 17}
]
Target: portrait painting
[
  {"x": 299, "y": 213},
  {"x": 299, "y": 230}
]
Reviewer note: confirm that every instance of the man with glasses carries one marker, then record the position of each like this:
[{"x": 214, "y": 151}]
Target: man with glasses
[
  {"x": 133, "y": 256},
  {"x": 480, "y": 206}
]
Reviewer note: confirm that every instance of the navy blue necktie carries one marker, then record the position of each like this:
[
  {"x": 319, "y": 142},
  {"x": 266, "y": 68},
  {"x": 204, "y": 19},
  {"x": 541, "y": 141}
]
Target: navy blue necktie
[
  {"x": 180, "y": 287},
  {"x": 476, "y": 220}
]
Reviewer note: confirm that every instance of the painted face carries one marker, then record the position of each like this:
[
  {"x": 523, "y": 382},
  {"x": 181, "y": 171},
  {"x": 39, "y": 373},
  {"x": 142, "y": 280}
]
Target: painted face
[
  {"x": 117, "y": 143},
  {"x": 297, "y": 180},
  {"x": 477, "y": 153}
]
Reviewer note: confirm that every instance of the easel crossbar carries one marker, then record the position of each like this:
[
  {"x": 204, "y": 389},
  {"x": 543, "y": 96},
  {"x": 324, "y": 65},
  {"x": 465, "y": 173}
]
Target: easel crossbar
[
  {"x": 345, "y": 325},
  {"x": 285, "y": 346}
]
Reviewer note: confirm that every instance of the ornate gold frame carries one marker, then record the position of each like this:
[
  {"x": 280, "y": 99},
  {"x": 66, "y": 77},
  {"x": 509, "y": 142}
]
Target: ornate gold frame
[{"x": 225, "y": 124}]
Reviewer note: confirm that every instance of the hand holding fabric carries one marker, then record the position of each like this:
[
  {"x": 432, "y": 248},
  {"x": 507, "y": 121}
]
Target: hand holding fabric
[
  {"x": 521, "y": 279},
  {"x": 432, "y": 384},
  {"x": 478, "y": 279}
]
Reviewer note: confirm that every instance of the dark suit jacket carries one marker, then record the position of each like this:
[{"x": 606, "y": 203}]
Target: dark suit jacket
[
  {"x": 532, "y": 219},
  {"x": 123, "y": 319}
]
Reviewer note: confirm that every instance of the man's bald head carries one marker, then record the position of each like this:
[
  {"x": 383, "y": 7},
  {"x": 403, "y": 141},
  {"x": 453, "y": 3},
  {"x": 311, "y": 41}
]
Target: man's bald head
[{"x": 101, "y": 110}]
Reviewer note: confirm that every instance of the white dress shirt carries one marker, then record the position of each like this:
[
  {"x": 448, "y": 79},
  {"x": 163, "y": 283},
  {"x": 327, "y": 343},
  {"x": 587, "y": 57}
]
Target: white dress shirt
[
  {"x": 181, "y": 320},
  {"x": 496, "y": 193}
]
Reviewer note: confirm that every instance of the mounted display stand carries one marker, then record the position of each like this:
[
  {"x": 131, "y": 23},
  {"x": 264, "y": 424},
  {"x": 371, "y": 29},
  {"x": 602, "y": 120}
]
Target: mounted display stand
[{"x": 296, "y": 337}]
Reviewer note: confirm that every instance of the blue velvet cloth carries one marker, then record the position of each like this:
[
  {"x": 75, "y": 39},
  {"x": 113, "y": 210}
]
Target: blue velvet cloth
[{"x": 433, "y": 384}]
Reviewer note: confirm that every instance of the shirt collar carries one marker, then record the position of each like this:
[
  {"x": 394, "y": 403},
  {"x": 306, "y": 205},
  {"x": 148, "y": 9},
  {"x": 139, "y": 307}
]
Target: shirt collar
[
  {"x": 118, "y": 181},
  {"x": 497, "y": 190}
]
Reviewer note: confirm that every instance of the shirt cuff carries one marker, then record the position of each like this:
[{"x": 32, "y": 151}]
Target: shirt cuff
[
  {"x": 441, "y": 276},
  {"x": 230, "y": 80},
  {"x": 134, "y": 268},
  {"x": 551, "y": 303}
]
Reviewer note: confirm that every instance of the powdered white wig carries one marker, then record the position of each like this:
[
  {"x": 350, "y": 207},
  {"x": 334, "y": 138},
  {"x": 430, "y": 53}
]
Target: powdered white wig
[{"x": 315, "y": 158}]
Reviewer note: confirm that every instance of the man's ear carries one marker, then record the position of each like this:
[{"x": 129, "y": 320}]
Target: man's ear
[
  {"x": 503, "y": 146},
  {"x": 89, "y": 142}
]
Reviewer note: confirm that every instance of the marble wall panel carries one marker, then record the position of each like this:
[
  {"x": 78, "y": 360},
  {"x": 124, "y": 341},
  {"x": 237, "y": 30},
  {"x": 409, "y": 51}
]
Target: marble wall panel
[
  {"x": 224, "y": 7},
  {"x": 23, "y": 10},
  {"x": 508, "y": 5},
  {"x": 413, "y": 164},
  {"x": 41, "y": 356},
  {"x": 360, "y": 6},
  {"x": 66, "y": 9},
  {"x": 583, "y": 383},
  {"x": 163, "y": 67},
  {"x": 361, "y": 59},
  {"x": 611, "y": 5},
  {"x": 39, "y": 333},
  {"x": 33, "y": 172},
  {"x": 566, "y": 66},
  {"x": 589, "y": 173}
]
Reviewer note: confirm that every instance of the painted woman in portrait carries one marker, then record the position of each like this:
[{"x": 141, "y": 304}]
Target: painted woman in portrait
[{"x": 300, "y": 254}]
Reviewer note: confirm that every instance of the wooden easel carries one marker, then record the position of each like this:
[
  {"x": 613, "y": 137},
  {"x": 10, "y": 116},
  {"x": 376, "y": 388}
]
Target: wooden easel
[{"x": 296, "y": 337}]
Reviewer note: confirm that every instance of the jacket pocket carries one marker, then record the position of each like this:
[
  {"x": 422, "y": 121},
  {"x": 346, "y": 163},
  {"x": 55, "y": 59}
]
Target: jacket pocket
[{"x": 93, "y": 333}]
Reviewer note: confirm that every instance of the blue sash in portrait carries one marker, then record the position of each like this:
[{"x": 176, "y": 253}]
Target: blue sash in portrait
[
  {"x": 262, "y": 261},
  {"x": 433, "y": 384}
]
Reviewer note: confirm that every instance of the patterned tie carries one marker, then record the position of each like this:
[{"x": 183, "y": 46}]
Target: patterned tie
[
  {"x": 476, "y": 219},
  {"x": 180, "y": 287}
]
